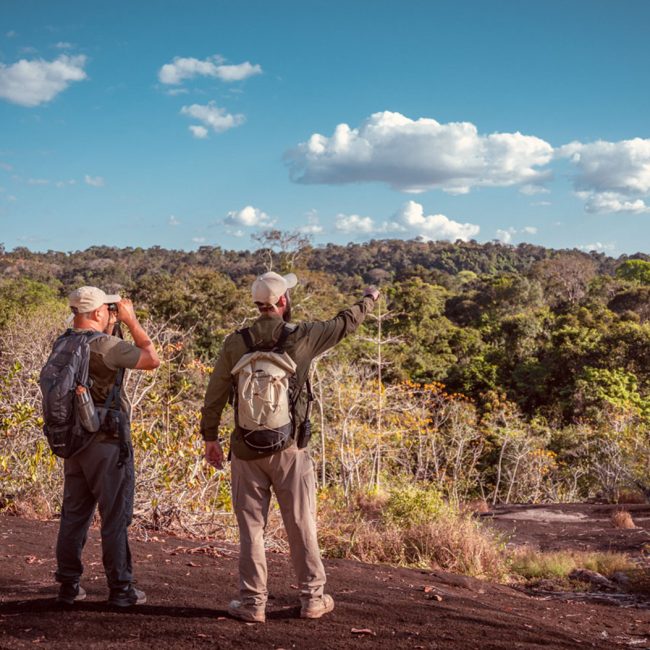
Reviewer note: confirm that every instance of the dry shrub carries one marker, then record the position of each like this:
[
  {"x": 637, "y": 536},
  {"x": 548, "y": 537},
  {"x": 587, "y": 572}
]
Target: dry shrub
[
  {"x": 475, "y": 506},
  {"x": 371, "y": 504},
  {"x": 632, "y": 497},
  {"x": 455, "y": 543},
  {"x": 450, "y": 541},
  {"x": 32, "y": 507},
  {"x": 623, "y": 519}
]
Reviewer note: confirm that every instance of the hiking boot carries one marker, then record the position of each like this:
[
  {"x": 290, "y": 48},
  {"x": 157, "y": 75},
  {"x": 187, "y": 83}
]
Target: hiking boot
[
  {"x": 248, "y": 613},
  {"x": 70, "y": 593},
  {"x": 126, "y": 597},
  {"x": 317, "y": 607}
]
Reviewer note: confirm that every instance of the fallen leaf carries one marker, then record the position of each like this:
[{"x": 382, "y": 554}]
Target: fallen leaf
[
  {"x": 363, "y": 630},
  {"x": 193, "y": 564},
  {"x": 294, "y": 586}
]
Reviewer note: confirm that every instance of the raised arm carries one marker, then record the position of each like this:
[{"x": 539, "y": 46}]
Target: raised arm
[
  {"x": 323, "y": 335},
  {"x": 148, "y": 356}
]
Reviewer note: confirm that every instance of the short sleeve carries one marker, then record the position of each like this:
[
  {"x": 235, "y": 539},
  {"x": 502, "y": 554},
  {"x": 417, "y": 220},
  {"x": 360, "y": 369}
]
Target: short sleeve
[{"x": 122, "y": 355}]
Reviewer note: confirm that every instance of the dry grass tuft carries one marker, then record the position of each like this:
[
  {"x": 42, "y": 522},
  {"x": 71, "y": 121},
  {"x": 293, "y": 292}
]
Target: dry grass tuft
[
  {"x": 371, "y": 504},
  {"x": 534, "y": 565},
  {"x": 623, "y": 519},
  {"x": 373, "y": 529},
  {"x": 476, "y": 506},
  {"x": 635, "y": 497},
  {"x": 33, "y": 507}
]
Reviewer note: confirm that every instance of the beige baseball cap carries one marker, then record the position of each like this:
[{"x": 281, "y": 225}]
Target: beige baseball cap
[
  {"x": 268, "y": 288},
  {"x": 86, "y": 299}
]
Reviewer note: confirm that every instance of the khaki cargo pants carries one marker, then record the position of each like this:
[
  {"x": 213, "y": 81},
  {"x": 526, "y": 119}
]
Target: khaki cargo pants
[{"x": 291, "y": 474}]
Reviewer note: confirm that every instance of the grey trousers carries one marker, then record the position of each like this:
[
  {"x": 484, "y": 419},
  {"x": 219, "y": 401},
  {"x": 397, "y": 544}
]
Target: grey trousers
[
  {"x": 91, "y": 477},
  {"x": 291, "y": 475}
]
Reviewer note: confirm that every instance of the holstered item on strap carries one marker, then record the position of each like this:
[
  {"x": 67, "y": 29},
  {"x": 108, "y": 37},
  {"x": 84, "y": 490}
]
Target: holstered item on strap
[{"x": 114, "y": 420}]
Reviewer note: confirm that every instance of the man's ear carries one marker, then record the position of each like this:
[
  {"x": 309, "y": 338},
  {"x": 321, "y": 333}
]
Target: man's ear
[
  {"x": 96, "y": 314},
  {"x": 282, "y": 302}
]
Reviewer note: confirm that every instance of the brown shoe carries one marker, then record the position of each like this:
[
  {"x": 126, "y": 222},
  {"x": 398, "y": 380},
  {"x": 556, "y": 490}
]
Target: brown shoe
[
  {"x": 317, "y": 607},
  {"x": 248, "y": 613}
]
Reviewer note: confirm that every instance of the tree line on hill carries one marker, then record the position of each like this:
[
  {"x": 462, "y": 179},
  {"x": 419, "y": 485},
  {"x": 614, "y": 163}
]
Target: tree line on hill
[{"x": 513, "y": 372}]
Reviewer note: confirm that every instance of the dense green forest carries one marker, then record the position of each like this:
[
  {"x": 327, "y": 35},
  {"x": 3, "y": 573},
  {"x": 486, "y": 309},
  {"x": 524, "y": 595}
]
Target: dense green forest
[{"x": 486, "y": 371}]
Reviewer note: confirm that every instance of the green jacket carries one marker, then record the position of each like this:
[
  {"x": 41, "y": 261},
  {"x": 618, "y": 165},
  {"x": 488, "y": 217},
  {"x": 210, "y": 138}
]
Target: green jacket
[{"x": 306, "y": 342}]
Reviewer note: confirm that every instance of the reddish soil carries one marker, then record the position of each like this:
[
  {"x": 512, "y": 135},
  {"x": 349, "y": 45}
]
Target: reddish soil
[
  {"x": 189, "y": 584},
  {"x": 577, "y": 526}
]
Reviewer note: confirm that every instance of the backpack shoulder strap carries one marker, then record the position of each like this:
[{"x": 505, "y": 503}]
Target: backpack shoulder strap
[
  {"x": 248, "y": 339},
  {"x": 279, "y": 345},
  {"x": 93, "y": 336}
]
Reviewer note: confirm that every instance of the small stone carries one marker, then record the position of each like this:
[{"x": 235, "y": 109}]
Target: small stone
[
  {"x": 621, "y": 578},
  {"x": 593, "y": 577}
]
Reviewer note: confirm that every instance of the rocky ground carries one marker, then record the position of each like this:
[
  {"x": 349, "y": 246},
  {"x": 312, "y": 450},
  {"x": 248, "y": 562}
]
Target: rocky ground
[{"x": 189, "y": 584}]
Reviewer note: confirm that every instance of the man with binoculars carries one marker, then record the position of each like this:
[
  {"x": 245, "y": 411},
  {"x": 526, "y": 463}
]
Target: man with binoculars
[{"x": 101, "y": 473}]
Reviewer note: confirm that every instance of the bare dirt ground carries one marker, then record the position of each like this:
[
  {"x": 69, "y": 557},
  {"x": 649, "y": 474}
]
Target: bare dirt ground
[{"x": 189, "y": 584}]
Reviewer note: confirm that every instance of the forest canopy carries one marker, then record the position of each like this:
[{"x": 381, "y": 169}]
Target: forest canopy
[{"x": 493, "y": 370}]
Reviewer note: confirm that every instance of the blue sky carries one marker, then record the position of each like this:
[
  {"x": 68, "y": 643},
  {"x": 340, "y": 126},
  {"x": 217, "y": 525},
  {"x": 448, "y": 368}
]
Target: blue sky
[{"x": 192, "y": 123}]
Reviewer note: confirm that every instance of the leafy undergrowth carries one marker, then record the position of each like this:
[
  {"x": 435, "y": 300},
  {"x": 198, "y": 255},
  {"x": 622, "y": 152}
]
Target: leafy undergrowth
[{"x": 409, "y": 526}]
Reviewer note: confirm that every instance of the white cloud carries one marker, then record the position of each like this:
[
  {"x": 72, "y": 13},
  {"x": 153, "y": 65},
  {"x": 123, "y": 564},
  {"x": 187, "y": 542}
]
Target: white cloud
[
  {"x": 353, "y": 223},
  {"x": 596, "y": 202},
  {"x": 11, "y": 34},
  {"x": 182, "y": 68},
  {"x": 419, "y": 155},
  {"x": 71, "y": 181},
  {"x": 31, "y": 83},
  {"x": 198, "y": 240},
  {"x": 409, "y": 219},
  {"x": 173, "y": 92},
  {"x": 238, "y": 72},
  {"x": 531, "y": 190},
  {"x": 64, "y": 45},
  {"x": 173, "y": 221},
  {"x": 38, "y": 181},
  {"x": 95, "y": 181},
  {"x": 611, "y": 176},
  {"x": 199, "y": 132},
  {"x": 434, "y": 226},
  {"x": 5, "y": 166},
  {"x": 597, "y": 246},
  {"x": 248, "y": 217},
  {"x": 212, "y": 116},
  {"x": 313, "y": 226},
  {"x": 541, "y": 203},
  {"x": 505, "y": 235}
]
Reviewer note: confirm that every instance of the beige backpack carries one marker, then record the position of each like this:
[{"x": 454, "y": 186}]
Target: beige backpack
[{"x": 264, "y": 410}]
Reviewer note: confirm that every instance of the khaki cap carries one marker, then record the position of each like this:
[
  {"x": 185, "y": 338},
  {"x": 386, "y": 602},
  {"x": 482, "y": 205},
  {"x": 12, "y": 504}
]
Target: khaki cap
[
  {"x": 87, "y": 299},
  {"x": 268, "y": 288}
]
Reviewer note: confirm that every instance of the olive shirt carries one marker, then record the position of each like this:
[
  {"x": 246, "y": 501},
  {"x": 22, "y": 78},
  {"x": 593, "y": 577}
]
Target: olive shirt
[
  {"x": 107, "y": 355},
  {"x": 306, "y": 342}
]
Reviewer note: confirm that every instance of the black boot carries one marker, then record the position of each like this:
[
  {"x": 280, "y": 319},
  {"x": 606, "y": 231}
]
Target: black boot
[
  {"x": 126, "y": 596},
  {"x": 70, "y": 593}
]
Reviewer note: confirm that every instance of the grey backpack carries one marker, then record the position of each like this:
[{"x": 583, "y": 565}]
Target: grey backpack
[{"x": 65, "y": 369}]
